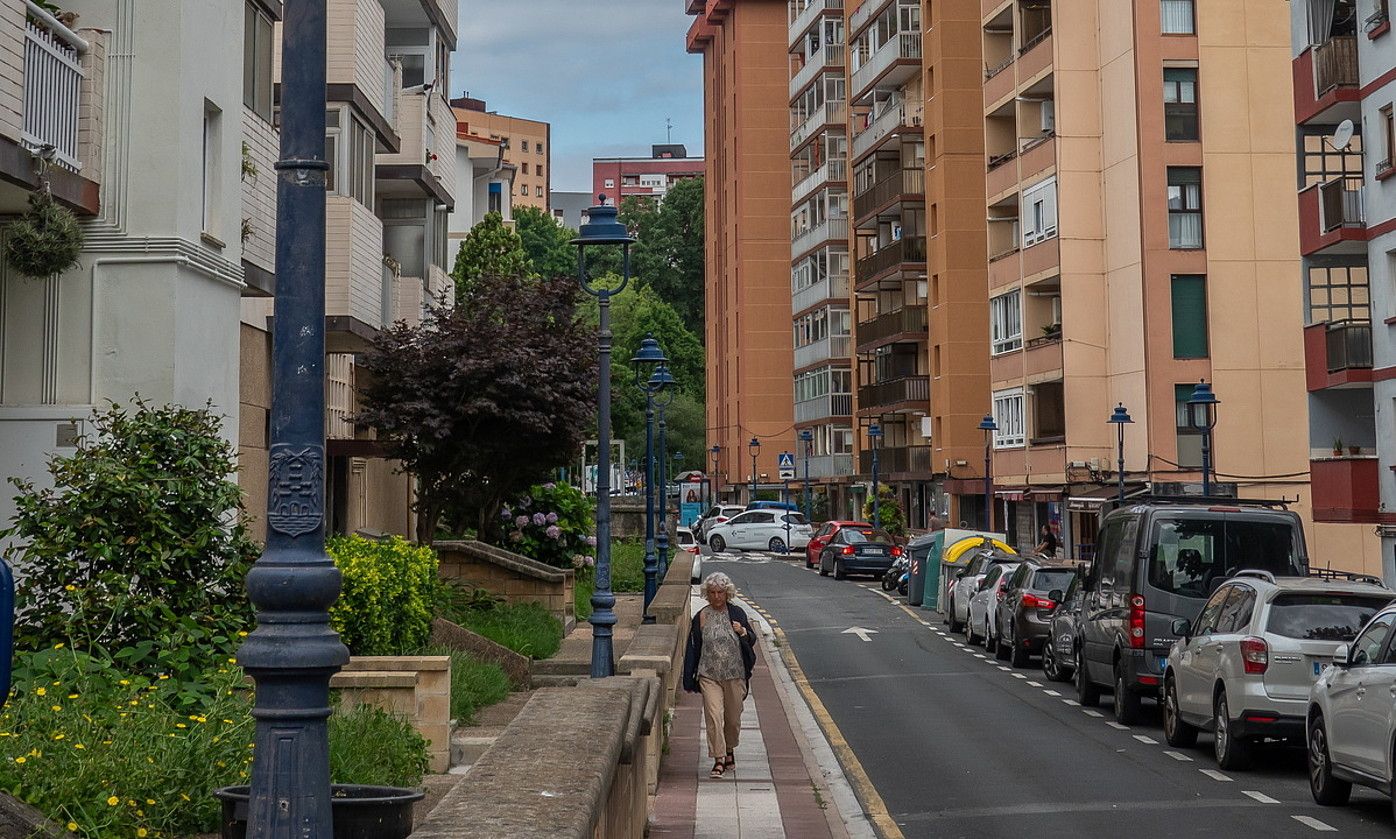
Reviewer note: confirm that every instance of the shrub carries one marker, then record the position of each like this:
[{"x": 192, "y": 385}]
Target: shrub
[
  {"x": 139, "y": 549},
  {"x": 390, "y": 593},
  {"x": 374, "y": 747},
  {"x": 889, "y": 511},
  {"x": 552, "y": 524}
]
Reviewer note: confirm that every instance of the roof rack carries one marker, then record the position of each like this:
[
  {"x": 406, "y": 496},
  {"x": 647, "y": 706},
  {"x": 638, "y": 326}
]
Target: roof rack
[
  {"x": 1207, "y": 500},
  {"x": 1258, "y": 573},
  {"x": 1350, "y": 576}
]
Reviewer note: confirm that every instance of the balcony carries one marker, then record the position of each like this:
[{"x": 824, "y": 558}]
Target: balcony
[
  {"x": 907, "y": 321},
  {"x": 832, "y": 170},
  {"x": 809, "y": 14},
  {"x": 909, "y": 250},
  {"x": 833, "y": 348},
  {"x": 53, "y": 79},
  {"x": 829, "y": 466},
  {"x": 897, "y": 460},
  {"x": 1335, "y": 64},
  {"x": 860, "y": 17},
  {"x": 901, "y": 184},
  {"x": 891, "y": 121},
  {"x": 828, "y": 57},
  {"x": 1345, "y": 490},
  {"x": 894, "y": 62},
  {"x": 803, "y": 241},
  {"x": 1326, "y": 82},
  {"x": 1340, "y": 201},
  {"x": 1338, "y": 354},
  {"x": 833, "y": 405},
  {"x": 829, "y": 288},
  {"x": 1331, "y": 218},
  {"x": 832, "y": 114}
]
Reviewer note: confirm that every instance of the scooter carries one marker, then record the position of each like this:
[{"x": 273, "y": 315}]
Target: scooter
[{"x": 896, "y": 576}]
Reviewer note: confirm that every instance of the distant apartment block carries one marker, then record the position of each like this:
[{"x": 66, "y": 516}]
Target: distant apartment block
[
  {"x": 649, "y": 177},
  {"x": 527, "y": 145}
]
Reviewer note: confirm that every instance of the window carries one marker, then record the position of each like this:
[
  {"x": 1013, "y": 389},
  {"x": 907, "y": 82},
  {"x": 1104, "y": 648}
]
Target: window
[
  {"x": 538, "y": 148},
  {"x": 1322, "y": 617},
  {"x": 1006, "y": 322},
  {"x": 211, "y": 160},
  {"x": 1189, "y": 441},
  {"x": 1388, "y": 139},
  {"x": 1207, "y": 621},
  {"x": 1323, "y": 162},
  {"x": 256, "y": 62},
  {"x": 496, "y": 202},
  {"x": 525, "y": 168},
  {"x": 1184, "y": 207},
  {"x": 610, "y": 183},
  {"x": 1008, "y": 416},
  {"x": 360, "y": 163},
  {"x": 1039, "y": 212},
  {"x": 332, "y": 151},
  {"x": 1180, "y": 103},
  {"x": 1369, "y": 643},
  {"x": 1193, "y": 553},
  {"x": 1189, "y": 316},
  {"x": 525, "y": 150},
  {"x": 1236, "y": 614},
  {"x": 538, "y": 192},
  {"x": 539, "y": 170},
  {"x": 1338, "y": 293},
  {"x": 1176, "y": 17}
]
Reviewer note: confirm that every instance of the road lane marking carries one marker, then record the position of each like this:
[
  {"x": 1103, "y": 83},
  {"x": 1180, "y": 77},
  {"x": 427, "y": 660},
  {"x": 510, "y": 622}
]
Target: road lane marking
[
  {"x": 1314, "y": 823},
  {"x": 1019, "y": 676},
  {"x": 979, "y": 655},
  {"x": 1049, "y": 692},
  {"x": 1117, "y": 726},
  {"x": 1091, "y": 713},
  {"x": 1035, "y": 684},
  {"x": 1214, "y": 775},
  {"x": 1005, "y": 669},
  {"x": 1260, "y": 796},
  {"x": 1072, "y": 702},
  {"x": 1179, "y": 756},
  {"x": 1143, "y": 739},
  {"x": 860, "y": 632}
]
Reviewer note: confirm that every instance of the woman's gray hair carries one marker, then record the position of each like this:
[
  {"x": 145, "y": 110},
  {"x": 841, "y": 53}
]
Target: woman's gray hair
[{"x": 717, "y": 579}]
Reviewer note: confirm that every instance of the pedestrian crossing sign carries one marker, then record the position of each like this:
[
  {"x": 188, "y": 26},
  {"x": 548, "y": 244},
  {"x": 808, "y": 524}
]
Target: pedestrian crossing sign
[{"x": 786, "y": 463}]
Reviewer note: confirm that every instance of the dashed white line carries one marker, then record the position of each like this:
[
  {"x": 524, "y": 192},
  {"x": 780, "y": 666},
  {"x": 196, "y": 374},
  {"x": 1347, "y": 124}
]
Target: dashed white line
[
  {"x": 1019, "y": 676},
  {"x": 1035, "y": 684},
  {"x": 1179, "y": 756},
  {"x": 1049, "y": 692},
  {"x": 1005, "y": 669},
  {"x": 1072, "y": 702},
  {"x": 1314, "y": 823},
  {"x": 1260, "y": 796},
  {"x": 1117, "y": 726},
  {"x": 1090, "y": 713},
  {"x": 978, "y": 655},
  {"x": 1214, "y": 775},
  {"x": 1147, "y": 740}
]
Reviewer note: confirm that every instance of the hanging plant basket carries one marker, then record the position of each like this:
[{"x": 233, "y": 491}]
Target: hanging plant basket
[{"x": 46, "y": 240}]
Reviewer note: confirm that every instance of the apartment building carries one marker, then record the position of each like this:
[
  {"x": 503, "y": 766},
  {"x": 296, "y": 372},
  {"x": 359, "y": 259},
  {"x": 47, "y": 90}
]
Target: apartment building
[
  {"x": 747, "y": 218},
  {"x": 486, "y": 185},
  {"x": 1344, "y": 61},
  {"x": 570, "y": 207},
  {"x": 527, "y": 145},
  {"x": 646, "y": 177}
]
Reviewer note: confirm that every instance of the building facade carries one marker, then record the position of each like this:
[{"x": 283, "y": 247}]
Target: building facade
[
  {"x": 486, "y": 185},
  {"x": 570, "y": 207},
  {"x": 527, "y": 145},
  {"x": 647, "y": 177}
]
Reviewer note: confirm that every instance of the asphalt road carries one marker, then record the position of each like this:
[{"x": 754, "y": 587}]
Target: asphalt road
[{"x": 960, "y": 745}]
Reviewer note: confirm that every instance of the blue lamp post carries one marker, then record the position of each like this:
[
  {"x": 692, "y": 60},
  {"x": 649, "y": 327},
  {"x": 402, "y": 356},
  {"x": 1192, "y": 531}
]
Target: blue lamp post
[
  {"x": 807, "y": 437},
  {"x": 874, "y": 438},
  {"x": 1120, "y": 418},
  {"x": 988, "y": 426},
  {"x": 648, "y": 360},
  {"x": 716, "y": 453},
  {"x": 754, "y": 448},
  {"x": 1202, "y": 416},
  {"x": 601, "y": 228},
  {"x": 663, "y": 383}
]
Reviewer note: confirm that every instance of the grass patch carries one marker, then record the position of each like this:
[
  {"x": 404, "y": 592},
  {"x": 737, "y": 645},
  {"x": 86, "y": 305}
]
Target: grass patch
[
  {"x": 474, "y": 684},
  {"x": 628, "y": 567},
  {"x": 581, "y": 594},
  {"x": 526, "y": 628}
]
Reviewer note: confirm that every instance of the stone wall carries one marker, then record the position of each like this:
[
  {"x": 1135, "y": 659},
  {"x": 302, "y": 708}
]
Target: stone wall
[
  {"x": 417, "y": 688},
  {"x": 516, "y": 578},
  {"x": 517, "y": 667}
]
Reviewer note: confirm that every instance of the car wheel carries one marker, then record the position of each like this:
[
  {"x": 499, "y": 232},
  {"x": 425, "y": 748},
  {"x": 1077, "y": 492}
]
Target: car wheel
[
  {"x": 1000, "y": 649},
  {"x": 1176, "y": 731},
  {"x": 1087, "y": 692},
  {"x": 717, "y": 544},
  {"x": 822, "y": 571},
  {"x": 1232, "y": 752},
  {"x": 1128, "y": 708},
  {"x": 955, "y": 626},
  {"x": 1049, "y": 662},
  {"x": 838, "y": 571},
  {"x": 886, "y": 581},
  {"x": 776, "y": 545},
  {"x": 970, "y": 637},
  {"x": 1326, "y": 789},
  {"x": 1018, "y": 654}
]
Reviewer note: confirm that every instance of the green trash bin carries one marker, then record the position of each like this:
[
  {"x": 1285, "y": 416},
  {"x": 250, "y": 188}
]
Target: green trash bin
[{"x": 924, "y": 576}]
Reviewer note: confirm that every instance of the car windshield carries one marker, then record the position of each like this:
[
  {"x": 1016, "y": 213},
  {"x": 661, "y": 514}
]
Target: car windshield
[
  {"x": 1192, "y": 554},
  {"x": 796, "y": 518},
  {"x": 1049, "y": 579},
  {"x": 1322, "y": 617},
  {"x": 854, "y": 535}
]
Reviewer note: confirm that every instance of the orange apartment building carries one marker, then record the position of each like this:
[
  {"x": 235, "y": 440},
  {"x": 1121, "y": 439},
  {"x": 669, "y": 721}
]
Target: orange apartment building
[
  {"x": 746, "y": 132},
  {"x": 528, "y": 145}
]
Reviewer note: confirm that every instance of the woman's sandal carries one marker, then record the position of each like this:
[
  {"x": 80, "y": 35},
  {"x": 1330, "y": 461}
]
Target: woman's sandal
[
  {"x": 730, "y": 761},
  {"x": 718, "y": 767}
]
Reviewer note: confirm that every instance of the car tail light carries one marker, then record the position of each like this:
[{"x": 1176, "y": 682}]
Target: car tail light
[
  {"x": 848, "y": 550},
  {"x": 1032, "y": 601},
  {"x": 1255, "y": 654},
  {"x": 896, "y": 551},
  {"x": 1136, "y": 621}
]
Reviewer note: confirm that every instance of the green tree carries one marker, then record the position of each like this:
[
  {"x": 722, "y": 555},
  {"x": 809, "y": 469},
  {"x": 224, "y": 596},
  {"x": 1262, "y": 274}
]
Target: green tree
[
  {"x": 546, "y": 243},
  {"x": 889, "y": 510},
  {"x": 489, "y": 249}
]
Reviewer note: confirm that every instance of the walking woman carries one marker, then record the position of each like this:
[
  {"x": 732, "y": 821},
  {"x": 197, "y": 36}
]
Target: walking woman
[{"x": 721, "y": 653}]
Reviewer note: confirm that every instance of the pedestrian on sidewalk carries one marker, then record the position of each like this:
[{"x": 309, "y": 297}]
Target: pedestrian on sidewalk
[{"x": 718, "y": 662}]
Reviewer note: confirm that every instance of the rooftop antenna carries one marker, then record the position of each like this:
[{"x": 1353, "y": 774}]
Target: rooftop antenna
[{"x": 669, "y": 129}]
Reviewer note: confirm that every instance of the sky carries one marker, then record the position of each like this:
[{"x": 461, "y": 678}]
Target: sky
[{"x": 605, "y": 73}]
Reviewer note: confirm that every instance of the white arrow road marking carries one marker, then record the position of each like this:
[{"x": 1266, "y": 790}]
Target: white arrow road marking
[
  {"x": 860, "y": 632},
  {"x": 1260, "y": 796},
  {"x": 1179, "y": 756},
  {"x": 1218, "y": 776},
  {"x": 1313, "y": 822}
]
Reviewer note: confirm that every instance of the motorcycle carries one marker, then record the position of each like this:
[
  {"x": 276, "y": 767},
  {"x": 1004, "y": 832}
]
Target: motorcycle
[{"x": 897, "y": 576}]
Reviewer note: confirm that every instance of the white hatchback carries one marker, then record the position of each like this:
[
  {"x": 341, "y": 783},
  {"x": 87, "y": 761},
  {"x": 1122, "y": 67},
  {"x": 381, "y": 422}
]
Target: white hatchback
[{"x": 761, "y": 530}]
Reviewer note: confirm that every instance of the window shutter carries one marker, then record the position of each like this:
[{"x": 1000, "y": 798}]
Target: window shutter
[{"x": 1189, "y": 317}]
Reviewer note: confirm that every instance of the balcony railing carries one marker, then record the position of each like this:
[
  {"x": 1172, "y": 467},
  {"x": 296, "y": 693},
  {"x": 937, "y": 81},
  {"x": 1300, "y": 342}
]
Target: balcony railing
[
  {"x": 828, "y": 56},
  {"x": 827, "y": 466},
  {"x": 897, "y": 460},
  {"x": 833, "y": 113},
  {"x": 909, "y": 249},
  {"x": 829, "y": 288},
  {"x": 805, "y": 19},
  {"x": 861, "y": 16},
  {"x": 906, "y": 46},
  {"x": 908, "y": 320},
  {"x": 1335, "y": 64},
  {"x": 891, "y": 118},
  {"x": 824, "y": 407},
  {"x": 910, "y": 182},
  {"x": 894, "y": 392},
  {"x": 1341, "y": 202},
  {"x": 1349, "y": 345},
  {"x": 834, "y": 228},
  {"x": 832, "y": 170},
  {"x": 833, "y": 347},
  {"x": 52, "y": 86}
]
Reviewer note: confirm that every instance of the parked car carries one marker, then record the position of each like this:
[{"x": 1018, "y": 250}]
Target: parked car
[
  {"x": 858, "y": 550},
  {"x": 1244, "y": 668},
  {"x": 1059, "y": 651},
  {"x": 689, "y": 543},
  {"x": 774, "y": 505},
  {"x": 1159, "y": 560},
  {"x": 1351, "y": 719},
  {"x": 822, "y": 537},
  {"x": 966, "y": 583},
  {"x": 1024, "y": 615},
  {"x": 978, "y": 621},
  {"x": 717, "y": 514},
  {"x": 762, "y": 530}
]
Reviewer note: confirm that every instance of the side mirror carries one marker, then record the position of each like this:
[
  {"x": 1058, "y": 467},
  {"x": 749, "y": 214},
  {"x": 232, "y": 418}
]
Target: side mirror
[
  {"x": 960, "y": 575},
  {"x": 1341, "y": 656},
  {"x": 1182, "y": 628},
  {"x": 1055, "y": 595}
]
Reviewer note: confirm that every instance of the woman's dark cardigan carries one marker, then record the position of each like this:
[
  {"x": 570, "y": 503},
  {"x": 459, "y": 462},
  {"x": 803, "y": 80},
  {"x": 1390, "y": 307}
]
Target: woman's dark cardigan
[{"x": 695, "y": 647}]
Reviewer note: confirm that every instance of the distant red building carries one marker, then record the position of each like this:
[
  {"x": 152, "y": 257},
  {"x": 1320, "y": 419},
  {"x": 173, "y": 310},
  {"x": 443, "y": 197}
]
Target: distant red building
[{"x": 621, "y": 177}]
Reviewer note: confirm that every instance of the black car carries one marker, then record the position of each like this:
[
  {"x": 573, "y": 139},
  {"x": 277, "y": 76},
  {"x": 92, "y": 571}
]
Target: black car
[
  {"x": 858, "y": 550},
  {"x": 1023, "y": 616},
  {"x": 1059, "y": 651}
]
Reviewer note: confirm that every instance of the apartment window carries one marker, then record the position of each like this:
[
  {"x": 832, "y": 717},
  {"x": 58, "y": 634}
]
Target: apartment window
[
  {"x": 1388, "y": 139},
  {"x": 610, "y": 183},
  {"x": 1338, "y": 293},
  {"x": 360, "y": 162},
  {"x": 211, "y": 160},
  {"x": 1039, "y": 212},
  {"x": 1180, "y": 103},
  {"x": 1189, "y": 440},
  {"x": 1189, "y": 316},
  {"x": 1184, "y": 207},
  {"x": 1006, "y": 322},
  {"x": 496, "y": 203},
  {"x": 332, "y": 151},
  {"x": 538, "y": 148},
  {"x": 1177, "y": 17},
  {"x": 1008, "y": 416},
  {"x": 405, "y": 224},
  {"x": 1323, "y": 163},
  {"x": 256, "y": 61},
  {"x": 525, "y": 148},
  {"x": 525, "y": 167},
  {"x": 539, "y": 169},
  {"x": 538, "y": 192}
]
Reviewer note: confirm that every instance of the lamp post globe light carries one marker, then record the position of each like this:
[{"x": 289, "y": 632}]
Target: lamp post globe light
[
  {"x": 1202, "y": 416},
  {"x": 754, "y": 447},
  {"x": 648, "y": 360},
  {"x": 602, "y": 228},
  {"x": 988, "y": 426},
  {"x": 807, "y": 437},
  {"x": 1120, "y": 418},
  {"x": 875, "y": 436},
  {"x": 663, "y": 384}
]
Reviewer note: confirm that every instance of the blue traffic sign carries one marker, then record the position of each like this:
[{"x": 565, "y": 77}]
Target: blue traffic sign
[{"x": 787, "y": 460}]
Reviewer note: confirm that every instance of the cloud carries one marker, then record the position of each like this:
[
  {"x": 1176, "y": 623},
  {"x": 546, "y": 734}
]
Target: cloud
[{"x": 605, "y": 73}]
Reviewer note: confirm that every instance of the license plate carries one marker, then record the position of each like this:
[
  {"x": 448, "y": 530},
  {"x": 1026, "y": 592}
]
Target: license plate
[{"x": 875, "y": 551}]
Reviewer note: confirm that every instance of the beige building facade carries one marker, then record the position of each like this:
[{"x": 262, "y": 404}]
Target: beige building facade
[{"x": 527, "y": 145}]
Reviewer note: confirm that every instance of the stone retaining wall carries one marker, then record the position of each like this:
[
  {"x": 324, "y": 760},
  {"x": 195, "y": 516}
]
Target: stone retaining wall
[
  {"x": 516, "y": 578},
  {"x": 417, "y": 688},
  {"x": 517, "y": 667}
]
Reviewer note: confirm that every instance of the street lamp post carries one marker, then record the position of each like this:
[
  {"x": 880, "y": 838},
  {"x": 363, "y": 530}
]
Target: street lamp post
[
  {"x": 716, "y": 453},
  {"x": 875, "y": 436},
  {"x": 664, "y": 397},
  {"x": 1202, "y": 416},
  {"x": 648, "y": 361},
  {"x": 807, "y": 437},
  {"x": 601, "y": 228},
  {"x": 293, "y": 652},
  {"x": 1120, "y": 418},
  {"x": 785, "y": 498},
  {"x": 988, "y": 426},
  {"x": 754, "y": 447}
]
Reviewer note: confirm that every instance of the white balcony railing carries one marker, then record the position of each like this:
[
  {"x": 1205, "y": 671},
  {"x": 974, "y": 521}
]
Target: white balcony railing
[
  {"x": 834, "y": 228},
  {"x": 52, "y": 86},
  {"x": 807, "y": 16},
  {"x": 864, "y": 14},
  {"x": 828, "y": 466},
  {"x": 832, "y": 170},
  {"x": 831, "y": 55},
  {"x": 390, "y": 89},
  {"x": 825, "y": 349},
  {"x": 829, "y": 288},
  {"x": 833, "y": 113},
  {"x": 907, "y": 45},
  {"x": 823, "y": 407},
  {"x": 891, "y": 118}
]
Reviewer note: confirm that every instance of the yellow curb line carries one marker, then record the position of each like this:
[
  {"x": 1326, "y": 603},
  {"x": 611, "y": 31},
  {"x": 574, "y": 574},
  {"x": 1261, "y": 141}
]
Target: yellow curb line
[{"x": 857, "y": 778}]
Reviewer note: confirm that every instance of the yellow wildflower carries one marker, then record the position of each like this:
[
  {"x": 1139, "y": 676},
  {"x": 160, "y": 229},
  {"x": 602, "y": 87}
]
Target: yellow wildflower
[
  {"x": 124, "y": 682},
  {"x": 180, "y": 725},
  {"x": 70, "y": 587},
  {"x": 113, "y": 801},
  {"x": 150, "y": 801},
  {"x": 58, "y": 646},
  {"x": 21, "y": 759},
  {"x": 55, "y": 708},
  {"x": 40, "y": 691},
  {"x": 79, "y": 746},
  {"x": 163, "y": 677},
  {"x": 59, "y": 736},
  {"x": 72, "y": 696},
  {"x": 72, "y": 826}
]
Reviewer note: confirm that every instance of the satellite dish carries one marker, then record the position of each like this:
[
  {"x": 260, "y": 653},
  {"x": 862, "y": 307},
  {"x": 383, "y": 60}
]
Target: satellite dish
[{"x": 1342, "y": 135}]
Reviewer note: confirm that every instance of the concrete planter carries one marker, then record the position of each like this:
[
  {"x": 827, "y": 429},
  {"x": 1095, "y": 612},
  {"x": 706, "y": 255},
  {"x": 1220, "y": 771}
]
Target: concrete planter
[{"x": 359, "y": 812}]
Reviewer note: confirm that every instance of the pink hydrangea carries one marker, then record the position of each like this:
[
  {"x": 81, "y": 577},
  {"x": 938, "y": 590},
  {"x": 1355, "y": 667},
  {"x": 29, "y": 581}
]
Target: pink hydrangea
[
  {"x": 552, "y": 518},
  {"x": 553, "y": 531},
  {"x": 521, "y": 521},
  {"x": 539, "y": 519}
]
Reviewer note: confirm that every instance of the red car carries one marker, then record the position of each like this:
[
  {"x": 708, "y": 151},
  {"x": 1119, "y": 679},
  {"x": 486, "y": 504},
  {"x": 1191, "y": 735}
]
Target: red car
[{"x": 822, "y": 536}]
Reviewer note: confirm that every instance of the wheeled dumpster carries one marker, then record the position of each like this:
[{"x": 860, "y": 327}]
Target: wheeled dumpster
[{"x": 935, "y": 558}]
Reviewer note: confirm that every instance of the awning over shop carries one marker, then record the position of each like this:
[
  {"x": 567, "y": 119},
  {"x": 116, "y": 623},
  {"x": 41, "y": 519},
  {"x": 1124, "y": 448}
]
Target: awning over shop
[{"x": 1092, "y": 498}]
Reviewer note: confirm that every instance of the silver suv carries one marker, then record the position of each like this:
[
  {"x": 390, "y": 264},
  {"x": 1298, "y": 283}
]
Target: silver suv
[{"x": 1244, "y": 668}]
